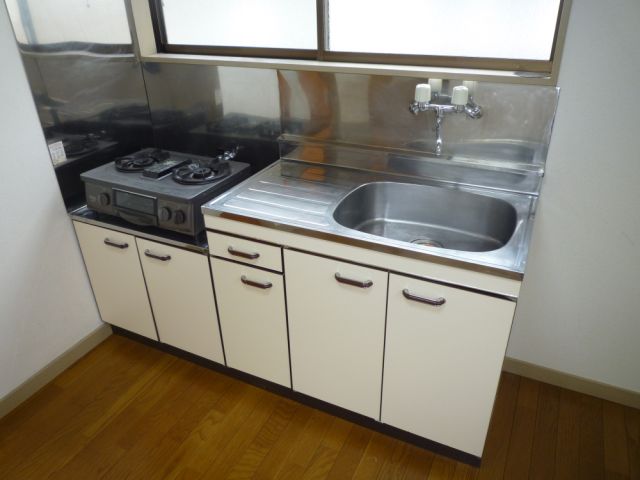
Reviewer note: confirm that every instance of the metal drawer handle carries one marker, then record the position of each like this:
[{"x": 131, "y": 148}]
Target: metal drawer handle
[
  {"x": 150, "y": 254},
  {"x": 253, "y": 283},
  {"x": 355, "y": 283},
  {"x": 238, "y": 253},
  {"x": 111, "y": 243},
  {"x": 436, "y": 302}
]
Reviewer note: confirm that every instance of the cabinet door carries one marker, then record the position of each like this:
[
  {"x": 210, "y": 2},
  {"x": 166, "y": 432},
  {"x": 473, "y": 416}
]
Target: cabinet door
[
  {"x": 442, "y": 362},
  {"x": 116, "y": 278},
  {"x": 181, "y": 294},
  {"x": 253, "y": 320},
  {"x": 336, "y": 316}
]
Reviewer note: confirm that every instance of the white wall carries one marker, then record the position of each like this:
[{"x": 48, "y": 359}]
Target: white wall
[
  {"x": 580, "y": 306},
  {"x": 46, "y": 304}
]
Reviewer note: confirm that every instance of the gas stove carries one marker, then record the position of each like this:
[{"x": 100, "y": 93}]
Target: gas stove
[{"x": 161, "y": 188}]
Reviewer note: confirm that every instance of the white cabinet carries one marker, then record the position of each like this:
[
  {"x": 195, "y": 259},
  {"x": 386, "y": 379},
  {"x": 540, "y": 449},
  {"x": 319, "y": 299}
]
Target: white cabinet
[
  {"x": 179, "y": 286},
  {"x": 116, "y": 278},
  {"x": 336, "y": 316},
  {"x": 253, "y": 320},
  {"x": 442, "y": 362}
]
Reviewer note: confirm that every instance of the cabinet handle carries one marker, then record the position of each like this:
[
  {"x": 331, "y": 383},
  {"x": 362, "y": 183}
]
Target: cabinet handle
[
  {"x": 355, "y": 283},
  {"x": 253, "y": 283},
  {"x": 111, "y": 243},
  {"x": 238, "y": 253},
  {"x": 150, "y": 254},
  {"x": 436, "y": 302}
]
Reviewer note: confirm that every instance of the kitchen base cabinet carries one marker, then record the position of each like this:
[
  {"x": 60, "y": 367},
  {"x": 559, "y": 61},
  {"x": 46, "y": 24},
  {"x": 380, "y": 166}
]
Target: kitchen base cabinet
[
  {"x": 442, "y": 362},
  {"x": 253, "y": 320},
  {"x": 336, "y": 325},
  {"x": 114, "y": 270},
  {"x": 179, "y": 286}
]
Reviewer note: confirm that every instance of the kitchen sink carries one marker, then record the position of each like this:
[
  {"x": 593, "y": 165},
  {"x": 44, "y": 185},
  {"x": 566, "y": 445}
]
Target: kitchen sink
[{"x": 428, "y": 215}]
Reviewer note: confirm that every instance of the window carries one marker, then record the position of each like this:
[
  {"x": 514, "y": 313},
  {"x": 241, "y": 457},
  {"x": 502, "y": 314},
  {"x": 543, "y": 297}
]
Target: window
[
  {"x": 51, "y": 22},
  {"x": 495, "y": 34}
]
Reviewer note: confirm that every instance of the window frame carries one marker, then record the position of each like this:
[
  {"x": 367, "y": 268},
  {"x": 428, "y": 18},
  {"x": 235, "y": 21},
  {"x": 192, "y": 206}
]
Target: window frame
[{"x": 528, "y": 68}]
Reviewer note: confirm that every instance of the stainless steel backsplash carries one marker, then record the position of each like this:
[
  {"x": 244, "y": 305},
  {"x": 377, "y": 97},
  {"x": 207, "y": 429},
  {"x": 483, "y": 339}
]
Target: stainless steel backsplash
[
  {"x": 83, "y": 87},
  {"x": 195, "y": 106},
  {"x": 373, "y": 110}
]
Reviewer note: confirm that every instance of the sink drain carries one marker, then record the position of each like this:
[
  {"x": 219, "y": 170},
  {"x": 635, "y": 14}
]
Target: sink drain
[{"x": 427, "y": 242}]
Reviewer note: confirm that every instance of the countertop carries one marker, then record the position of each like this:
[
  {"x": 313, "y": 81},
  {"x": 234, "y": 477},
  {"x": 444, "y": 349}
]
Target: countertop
[{"x": 303, "y": 201}]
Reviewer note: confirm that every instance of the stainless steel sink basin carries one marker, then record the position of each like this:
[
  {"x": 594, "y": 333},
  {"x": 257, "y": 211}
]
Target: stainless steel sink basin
[{"x": 427, "y": 215}]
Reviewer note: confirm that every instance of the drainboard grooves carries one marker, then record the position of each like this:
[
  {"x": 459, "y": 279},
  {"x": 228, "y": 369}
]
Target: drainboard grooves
[{"x": 297, "y": 197}]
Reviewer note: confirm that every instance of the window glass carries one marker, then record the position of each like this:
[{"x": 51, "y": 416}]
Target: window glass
[
  {"x": 41, "y": 22},
  {"x": 522, "y": 29},
  {"x": 287, "y": 24}
]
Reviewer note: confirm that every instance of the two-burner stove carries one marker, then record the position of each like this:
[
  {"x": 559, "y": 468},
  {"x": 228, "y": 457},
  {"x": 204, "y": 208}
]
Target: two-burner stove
[{"x": 161, "y": 188}]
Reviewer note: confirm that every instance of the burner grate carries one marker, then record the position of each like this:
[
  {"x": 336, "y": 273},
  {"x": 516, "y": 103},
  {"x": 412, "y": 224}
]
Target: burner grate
[
  {"x": 135, "y": 163},
  {"x": 198, "y": 174}
]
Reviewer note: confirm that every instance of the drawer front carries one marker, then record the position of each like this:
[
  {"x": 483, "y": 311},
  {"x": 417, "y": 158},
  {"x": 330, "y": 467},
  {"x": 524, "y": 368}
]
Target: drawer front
[{"x": 245, "y": 251}]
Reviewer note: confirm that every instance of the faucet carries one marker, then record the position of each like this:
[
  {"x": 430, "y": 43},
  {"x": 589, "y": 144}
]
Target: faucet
[{"x": 460, "y": 101}]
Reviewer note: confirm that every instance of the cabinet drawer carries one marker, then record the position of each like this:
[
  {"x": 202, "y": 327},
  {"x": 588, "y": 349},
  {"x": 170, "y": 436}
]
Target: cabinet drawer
[
  {"x": 245, "y": 251},
  {"x": 253, "y": 320}
]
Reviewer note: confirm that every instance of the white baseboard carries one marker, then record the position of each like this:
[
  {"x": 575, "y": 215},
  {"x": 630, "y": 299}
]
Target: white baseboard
[
  {"x": 38, "y": 380},
  {"x": 572, "y": 382}
]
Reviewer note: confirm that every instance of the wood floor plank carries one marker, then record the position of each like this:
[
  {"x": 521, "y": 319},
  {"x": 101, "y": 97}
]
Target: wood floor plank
[
  {"x": 374, "y": 456},
  {"x": 258, "y": 449},
  {"x": 330, "y": 446},
  {"x": 396, "y": 462},
  {"x": 203, "y": 395},
  {"x": 38, "y": 425},
  {"x": 304, "y": 449},
  {"x": 198, "y": 450},
  {"x": 143, "y": 437},
  {"x": 632, "y": 421},
  {"x": 524, "y": 422},
  {"x": 499, "y": 435},
  {"x": 616, "y": 455},
  {"x": 568, "y": 444},
  {"x": 543, "y": 452},
  {"x": 442, "y": 468},
  {"x": 275, "y": 458},
  {"x": 465, "y": 472},
  {"x": 127, "y": 410},
  {"x": 236, "y": 444},
  {"x": 351, "y": 453},
  {"x": 102, "y": 448},
  {"x": 419, "y": 463},
  {"x": 83, "y": 414},
  {"x": 591, "y": 444}
]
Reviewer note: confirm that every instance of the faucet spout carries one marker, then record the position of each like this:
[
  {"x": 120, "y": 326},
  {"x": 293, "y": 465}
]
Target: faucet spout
[
  {"x": 439, "y": 117},
  {"x": 445, "y": 106}
]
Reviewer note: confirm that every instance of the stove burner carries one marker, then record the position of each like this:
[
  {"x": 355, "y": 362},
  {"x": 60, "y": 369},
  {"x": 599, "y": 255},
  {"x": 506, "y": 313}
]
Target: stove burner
[
  {"x": 135, "y": 163},
  {"x": 197, "y": 173}
]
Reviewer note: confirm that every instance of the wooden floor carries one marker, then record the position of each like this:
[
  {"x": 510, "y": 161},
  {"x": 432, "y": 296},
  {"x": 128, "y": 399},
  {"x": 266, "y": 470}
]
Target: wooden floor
[{"x": 130, "y": 411}]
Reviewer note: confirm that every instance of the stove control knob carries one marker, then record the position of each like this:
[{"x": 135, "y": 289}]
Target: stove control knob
[
  {"x": 165, "y": 214},
  {"x": 179, "y": 217},
  {"x": 104, "y": 199}
]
